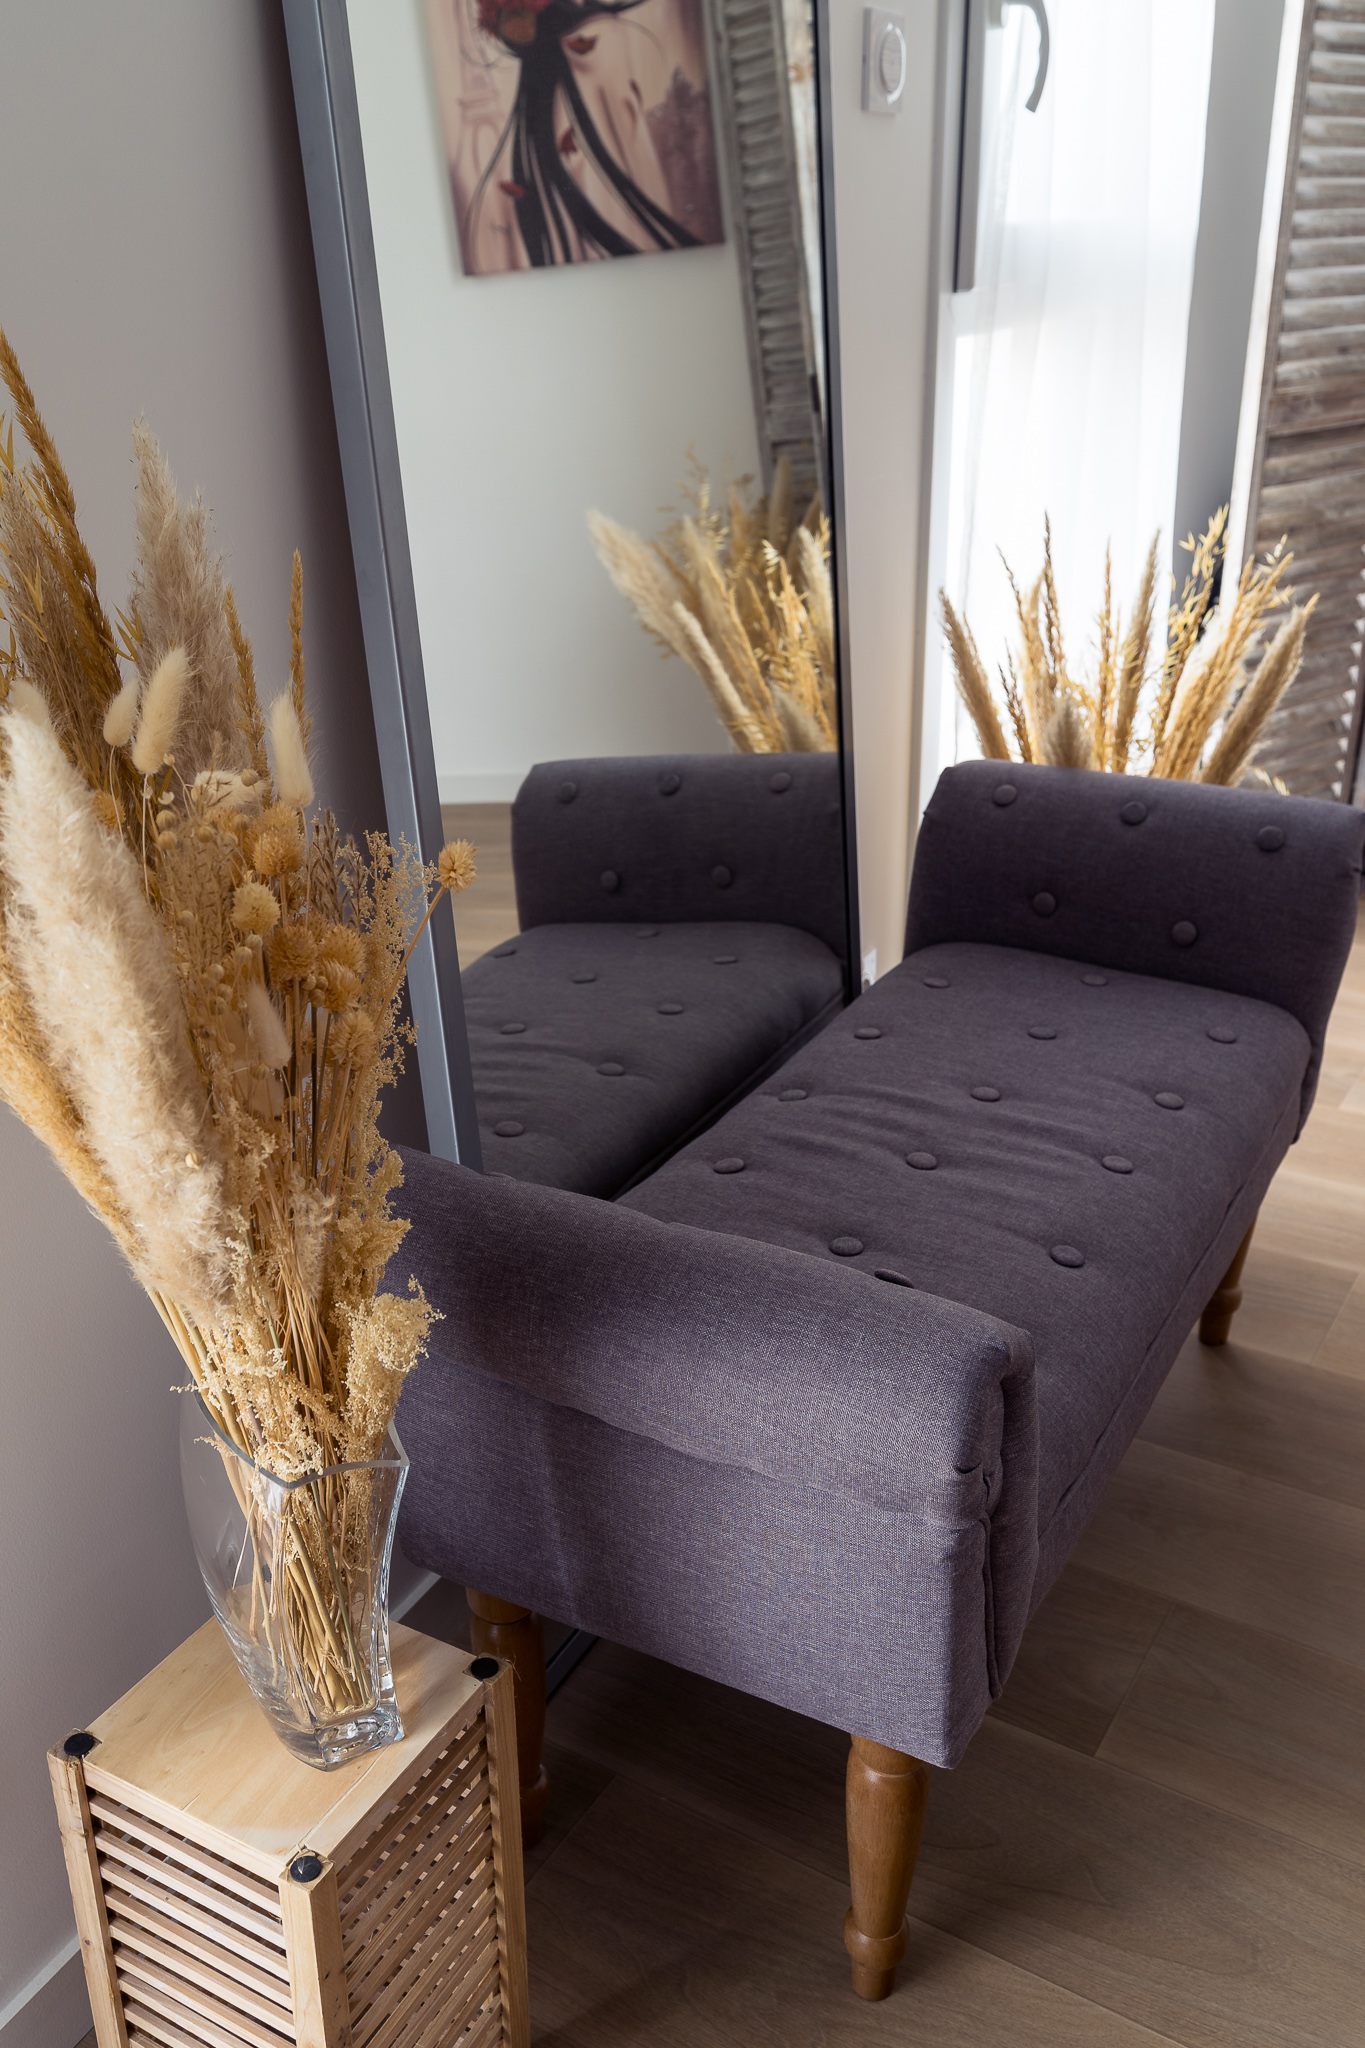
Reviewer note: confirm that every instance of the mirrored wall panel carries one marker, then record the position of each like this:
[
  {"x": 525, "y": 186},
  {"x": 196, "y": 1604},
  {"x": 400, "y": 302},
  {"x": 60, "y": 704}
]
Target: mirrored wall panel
[{"x": 596, "y": 238}]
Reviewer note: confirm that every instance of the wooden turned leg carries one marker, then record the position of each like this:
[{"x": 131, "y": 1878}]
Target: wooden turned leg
[
  {"x": 887, "y": 1795},
  {"x": 499, "y": 1629},
  {"x": 1216, "y": 1321}
]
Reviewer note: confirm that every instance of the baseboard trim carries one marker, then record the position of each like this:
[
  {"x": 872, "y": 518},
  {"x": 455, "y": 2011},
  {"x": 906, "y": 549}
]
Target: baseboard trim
[
  {"x": 53, "y": 2009},
  {"x": 497, "y": 787},
  {"x": 415, "y": 1592}
]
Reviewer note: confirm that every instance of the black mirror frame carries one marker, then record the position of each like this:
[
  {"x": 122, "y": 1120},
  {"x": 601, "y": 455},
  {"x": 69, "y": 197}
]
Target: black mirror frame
[{"x": 348, "y": 287}]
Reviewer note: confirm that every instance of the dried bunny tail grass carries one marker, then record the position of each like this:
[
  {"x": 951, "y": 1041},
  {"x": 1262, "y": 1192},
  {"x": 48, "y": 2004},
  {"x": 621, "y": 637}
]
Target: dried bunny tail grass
[
  {"x": 455, "y": 868},
  {"x": 293, "y": 777},
  {"x": 269, "y": 1036},
  {"x": 1067, "y": 741},
  {"x": 1137, "y": 649},
  {"x": 121, "y": 716},
  {"x": 94, "y": 964},
  {"x": 179, "y": 595},
  {"x": 161, "y": 702},
  {"x": 802, "y": 732},
  {"x": 1246, "y": 722},
  {"x": 972, "y": 683},
  {"x": 641, "y": 578}
]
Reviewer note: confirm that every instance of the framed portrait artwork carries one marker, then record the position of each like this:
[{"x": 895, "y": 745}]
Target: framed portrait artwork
[{"x": 575, "y": 130}]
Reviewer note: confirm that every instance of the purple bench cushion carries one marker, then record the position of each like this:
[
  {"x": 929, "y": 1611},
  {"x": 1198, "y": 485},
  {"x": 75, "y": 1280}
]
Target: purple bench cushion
[
  {"x": 1053, "y": 1144},
  {"x": 598, "y": 1048}
]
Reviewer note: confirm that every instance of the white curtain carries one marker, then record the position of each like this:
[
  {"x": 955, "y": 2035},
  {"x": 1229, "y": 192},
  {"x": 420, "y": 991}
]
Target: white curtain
[{"x": 1069, "y": 356}]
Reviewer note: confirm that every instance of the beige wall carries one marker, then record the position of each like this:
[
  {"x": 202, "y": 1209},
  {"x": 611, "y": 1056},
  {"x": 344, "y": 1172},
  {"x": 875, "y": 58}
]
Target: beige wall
[{"x": 154, "y": 255}]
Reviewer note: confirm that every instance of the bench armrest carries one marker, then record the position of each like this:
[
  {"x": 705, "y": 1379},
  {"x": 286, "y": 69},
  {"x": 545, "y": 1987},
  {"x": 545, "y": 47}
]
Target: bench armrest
[
  {"x": 687, "y": 839},
  {"x": 1235, "y": 889},
  {"x": 737, "y": 1353}
]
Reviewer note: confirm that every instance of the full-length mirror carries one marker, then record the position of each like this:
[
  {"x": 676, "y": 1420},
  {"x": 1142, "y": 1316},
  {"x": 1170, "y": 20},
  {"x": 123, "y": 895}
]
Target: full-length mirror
[{"x": 597, "y": 273}]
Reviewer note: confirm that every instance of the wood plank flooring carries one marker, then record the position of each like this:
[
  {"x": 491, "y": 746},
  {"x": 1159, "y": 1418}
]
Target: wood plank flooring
[
  {"x": 486, "y": 912},
  {"x": 1158, "y": 1835}
]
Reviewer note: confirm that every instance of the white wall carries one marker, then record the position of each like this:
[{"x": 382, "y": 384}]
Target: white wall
[
  {"x": 1246, "y": 49},
  {"x": 884, "y": 197},
  {"x": 521, "y": 401},
  {"x": 154, "y": 254}
]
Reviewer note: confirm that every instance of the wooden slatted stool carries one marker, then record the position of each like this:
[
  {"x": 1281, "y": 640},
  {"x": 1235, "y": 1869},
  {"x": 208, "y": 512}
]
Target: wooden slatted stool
[{"x": 228, "y": 1896}]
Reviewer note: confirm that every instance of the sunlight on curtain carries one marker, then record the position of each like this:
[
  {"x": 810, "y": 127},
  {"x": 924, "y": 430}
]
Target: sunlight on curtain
[{"x": 1069, "y": 356}]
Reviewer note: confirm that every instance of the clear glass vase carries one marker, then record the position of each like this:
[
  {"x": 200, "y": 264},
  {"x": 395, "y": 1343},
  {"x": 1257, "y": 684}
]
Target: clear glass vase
[{"x": 298, "y": 1574}]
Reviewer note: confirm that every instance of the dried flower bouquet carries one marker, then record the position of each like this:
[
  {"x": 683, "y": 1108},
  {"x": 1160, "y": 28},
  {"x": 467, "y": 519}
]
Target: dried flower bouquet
[
  {"x": 1138, "y": 713},
  {"x": 199, "y": 1002},
  {"x": 744, "y": 598}
]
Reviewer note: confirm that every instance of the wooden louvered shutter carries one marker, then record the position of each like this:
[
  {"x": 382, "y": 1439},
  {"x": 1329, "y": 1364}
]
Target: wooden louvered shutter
[
  {"x": 766, "y": 204},
  {"x": 1301, "y": 450}
]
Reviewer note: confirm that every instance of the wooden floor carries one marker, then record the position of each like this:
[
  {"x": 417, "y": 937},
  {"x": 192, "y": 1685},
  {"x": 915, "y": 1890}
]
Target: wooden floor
[
  {"x": 1159, "y": 1832},
  {"x": 486, "y": 913}
]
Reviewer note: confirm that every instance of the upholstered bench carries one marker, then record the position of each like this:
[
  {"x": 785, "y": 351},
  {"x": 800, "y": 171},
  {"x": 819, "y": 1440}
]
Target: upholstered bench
[
  {"x": 820, "y": 1408},
  {"x": 683, "y": 930}
]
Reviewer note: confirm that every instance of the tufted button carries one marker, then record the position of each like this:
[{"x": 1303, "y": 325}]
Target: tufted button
[
  {"x": 724, "y": 959},
  {"x": 610, "y": 880},
  {"x": 925, "y": 1162},
  {"x": 936, "y": 981},
  {"x": 508, "y": 1128},
  {"x": 1115, "y": 1162},
  {"x": 583, "y": 974},
  {"x": 792, "y": 1095},
  {"x": 566, "y": 792},
  {"x": 669, "y": 784},
  {"x": 721, "y": 876},
  {"x": 890, "y": 1273},
  {"x": 1066, "y": 1255},
  {"x": 1270, "y": 839},
  {"x": 648, "y": 931},
  {"x": 1041, "y": 1031},
  {"x": 1045, "y": 903},
  {"x": 1004, "y": 793},
  {"x": 1133, "y": 813},
  {"x": 728, "y": 1166},
  {"x": 1095, "y": 980},
  {"x": 985, "y": 1095},
  {"x": 611, "y": 1067},
  {"x": 503, "y": 952},
  {"x": 1220, "y": 1035},
  {"x": 845, "y": 1247},
  {"x": 670, "y": 1009},
  {"x": 1184, "y": 933},
  {"x": 867, "y": 1031},
  {"x": 1166, "y": 1100},
  {"x": 779, "y": 782},
  {"x": 511, "y": 1030}
]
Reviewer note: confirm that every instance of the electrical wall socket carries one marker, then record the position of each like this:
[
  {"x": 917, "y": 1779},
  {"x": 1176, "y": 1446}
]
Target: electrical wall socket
[{"x": 886, "y": 61}]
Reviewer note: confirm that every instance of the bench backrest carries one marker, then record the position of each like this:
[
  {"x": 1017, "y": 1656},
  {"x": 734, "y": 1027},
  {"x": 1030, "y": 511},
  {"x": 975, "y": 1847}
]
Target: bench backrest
[
  {"x": 683, "y": 839},
  {"x": 1236, "y": 889}
]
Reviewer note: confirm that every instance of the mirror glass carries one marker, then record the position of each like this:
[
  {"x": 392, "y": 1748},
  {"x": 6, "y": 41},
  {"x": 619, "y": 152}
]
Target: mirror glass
[{"x": 597, "y": 238}]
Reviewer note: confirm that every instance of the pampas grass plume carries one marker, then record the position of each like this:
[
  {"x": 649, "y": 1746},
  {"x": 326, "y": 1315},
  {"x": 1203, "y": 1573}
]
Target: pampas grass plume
[
  {"x": 161, "y": 702},
  {"x": 119, "y": 719},
  {"x": 293, "y": 777}
]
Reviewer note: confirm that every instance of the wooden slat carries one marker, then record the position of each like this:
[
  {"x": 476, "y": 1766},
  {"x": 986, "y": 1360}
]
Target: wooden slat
[
  {"x": 447, "y": 1957},
  {"x": 154, "y": 2030},
  {"x": 317, "y": 1968},
  {"x": 446, "y": 1780},
  {"x": 208, "y": 2018},
  {"x": 453, "y": 1868},
  {"x": 507, "y": 1863},
  {"x": 237, "y": 1990},
  {"x": 417, "y": 1847},
  {"x": 131, "y": 1921},
  {"x": 134, "y": 1897},
  {"x": 130, "y": 1856},
  {"x": 480, "y": 1973},
  {"x": 450, "y": 1902},
  {"x": 178, "y": 1850}
]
